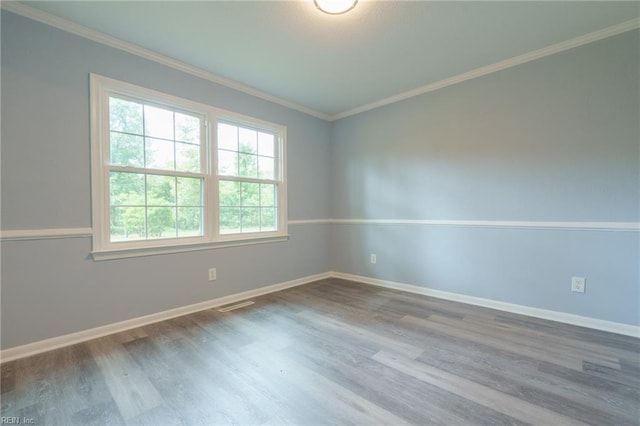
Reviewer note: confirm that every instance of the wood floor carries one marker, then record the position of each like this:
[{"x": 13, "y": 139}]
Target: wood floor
[{"x": 335, "y": 352}]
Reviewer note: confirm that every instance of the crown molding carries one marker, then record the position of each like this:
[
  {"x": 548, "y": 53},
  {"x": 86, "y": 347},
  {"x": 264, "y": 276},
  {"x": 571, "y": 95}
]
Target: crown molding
[
  {"x": 134, "y": 49},
  {"x": 102, "y": 38},
  {"x": 498, "y": 66}
]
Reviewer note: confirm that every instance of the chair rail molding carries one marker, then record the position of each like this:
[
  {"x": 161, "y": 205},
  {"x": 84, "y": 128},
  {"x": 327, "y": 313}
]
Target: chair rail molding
[
  {"x": 86, "y": 232},
  {"x": 44, "y": 234}
]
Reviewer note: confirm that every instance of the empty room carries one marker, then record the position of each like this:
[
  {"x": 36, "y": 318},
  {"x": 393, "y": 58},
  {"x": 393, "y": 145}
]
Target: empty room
[{"x": 320, "y": 212}]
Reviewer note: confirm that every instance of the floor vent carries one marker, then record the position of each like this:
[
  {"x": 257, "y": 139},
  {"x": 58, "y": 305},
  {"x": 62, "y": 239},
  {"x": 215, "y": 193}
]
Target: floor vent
[{"x": 236, "y": 306}]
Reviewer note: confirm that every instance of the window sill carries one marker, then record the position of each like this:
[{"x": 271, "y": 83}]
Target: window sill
[{"x": 100, "y": 255}]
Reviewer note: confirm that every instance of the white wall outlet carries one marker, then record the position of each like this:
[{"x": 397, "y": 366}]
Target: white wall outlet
[
  {"x": 373, "y": 258},
  {"x": 212, "y": 274},
  {"x": 577, "y": 284}
]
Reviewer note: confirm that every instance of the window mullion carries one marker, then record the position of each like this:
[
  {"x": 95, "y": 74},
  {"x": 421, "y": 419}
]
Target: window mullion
[
  {"x": 129, "y": 125},
  {"x": 105, "y": 136},
  {"x": 214, "y": 218},
  {"x": 211, "y": 189},
  {"x": 248, "y": 179},
  {"x": 161, "y": 172}
]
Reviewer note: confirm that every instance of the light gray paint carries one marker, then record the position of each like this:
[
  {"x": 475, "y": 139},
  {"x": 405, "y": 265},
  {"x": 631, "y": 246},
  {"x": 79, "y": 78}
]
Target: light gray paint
[
  {"x": 51, "y": 288},
  {"x": 555, "y": 139},
  {"x": 552, "y": 140},
  {"x": 337, "y": 63},
  {"x": 521, "y": 266},
  {"x": 45, "y": 131}
]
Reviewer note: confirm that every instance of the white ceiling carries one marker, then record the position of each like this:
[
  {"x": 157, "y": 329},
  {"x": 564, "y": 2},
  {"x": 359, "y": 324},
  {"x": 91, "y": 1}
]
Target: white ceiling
[{"x": 334, "y": 64}]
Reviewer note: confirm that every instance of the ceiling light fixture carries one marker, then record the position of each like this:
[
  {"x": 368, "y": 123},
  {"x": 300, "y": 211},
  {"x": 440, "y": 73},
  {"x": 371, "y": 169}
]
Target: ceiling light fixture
[{"x": 335, "y": 7}]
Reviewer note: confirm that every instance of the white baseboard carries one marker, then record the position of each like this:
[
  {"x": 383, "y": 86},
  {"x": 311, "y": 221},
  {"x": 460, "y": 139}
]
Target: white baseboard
[
  {"x": 82, "y": 336},
  {"x": 597, "y": 324},
  {"x": 93, "y": 333}
]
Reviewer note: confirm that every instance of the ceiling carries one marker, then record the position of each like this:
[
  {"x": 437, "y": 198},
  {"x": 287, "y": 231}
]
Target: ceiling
[{"x": 335, "y": 64}]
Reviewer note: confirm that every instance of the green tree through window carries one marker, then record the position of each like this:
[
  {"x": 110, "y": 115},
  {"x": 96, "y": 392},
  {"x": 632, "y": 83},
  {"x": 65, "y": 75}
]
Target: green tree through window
[
  {"x": 144, "y": 204},
  {"x": 247, "y": 189},
  {"x": 167, "y": 171}
]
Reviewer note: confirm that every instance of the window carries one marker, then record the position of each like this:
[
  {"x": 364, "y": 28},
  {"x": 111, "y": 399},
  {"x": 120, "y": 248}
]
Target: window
[
  {"x": 156, "y": 173},
  {"x": 169, "y": 174},
  {"x": 247, "y": 186}
]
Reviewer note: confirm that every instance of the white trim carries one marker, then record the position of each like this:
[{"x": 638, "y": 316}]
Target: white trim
[
  {"x": 34, "y": 348},
  {"x": 498, "y": 66},
  {"x": 82, "y": 336},
  {"x": 309, "y": 221},
  {"x": 124, "y": 253},
  {"x": 101, "y": 90},
  {"x": 99, "y": 37},
  {"x": 597, "y": 324},
  {"x": 40, "y": 234},
  {"x": 134, "y": 49},
  {"x": 578, "y": 226},
  {"x": 43, "y": 234}
]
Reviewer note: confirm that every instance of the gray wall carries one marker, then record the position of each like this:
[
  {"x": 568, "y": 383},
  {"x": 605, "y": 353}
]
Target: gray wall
[
  {"x": 52, "y": 288},
  {"x": 556, "y": 139}
]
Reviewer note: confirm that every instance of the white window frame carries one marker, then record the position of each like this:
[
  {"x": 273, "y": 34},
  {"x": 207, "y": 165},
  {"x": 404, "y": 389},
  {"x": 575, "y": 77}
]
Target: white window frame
[{"x": 101, "y": 88}]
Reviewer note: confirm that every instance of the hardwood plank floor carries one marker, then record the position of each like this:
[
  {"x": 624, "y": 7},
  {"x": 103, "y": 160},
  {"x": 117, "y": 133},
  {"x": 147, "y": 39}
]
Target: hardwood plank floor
[{"x": 335, "y": 352}]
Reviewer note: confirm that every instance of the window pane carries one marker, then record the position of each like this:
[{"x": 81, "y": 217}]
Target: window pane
[
  {"x": 189, "y": 221},
  {"x": 265, "y": 167},
  {"x": 227, "y": 137},
  {"x": 126, "y": 150},
  {"x": 229, "y": 220},
  {"x": 228, "y": 163},
  {"x": 189, "y": 192},
  {"x": 127, "y": 223},
  {"x": 161, "y": 190},
  {"x": 158, "y": 122},
  {"x": 187, "y": 128},
  {"x": 248, "y": 141},
  {"x": 250, "y": 219},
  {"x": 229, "y": 193},
  {"x": 159, "y": 154},
  {"x": 161, "y": 222},
  {"x": 126, "y": 189},
  {"x": 187, "y": 157},
  {"x": 125, "y": 116},
  {"x": 116, "y": 223},
  {"x": 268, "y": 219},
  {"x": 158, "y": 170},
  {"x": 158, "y": 220},
  {"x": 267, "y": 195},
  {"x": 248, "y": 165},
  {"x": 265, "y": 144},
  {"x": 250, "y": 194}
]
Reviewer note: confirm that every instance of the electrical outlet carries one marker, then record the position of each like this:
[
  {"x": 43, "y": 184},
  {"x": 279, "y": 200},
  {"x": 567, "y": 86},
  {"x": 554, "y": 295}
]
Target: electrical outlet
[
  {"x": 212, "y": 274},
  {"x": 374, "y": 258},
  {"x": 578, "y": 284}
]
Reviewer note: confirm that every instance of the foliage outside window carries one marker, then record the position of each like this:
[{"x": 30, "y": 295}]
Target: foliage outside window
[
  {"x": 248, "y": 191},
  {"x": 171, "y": 172}
]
